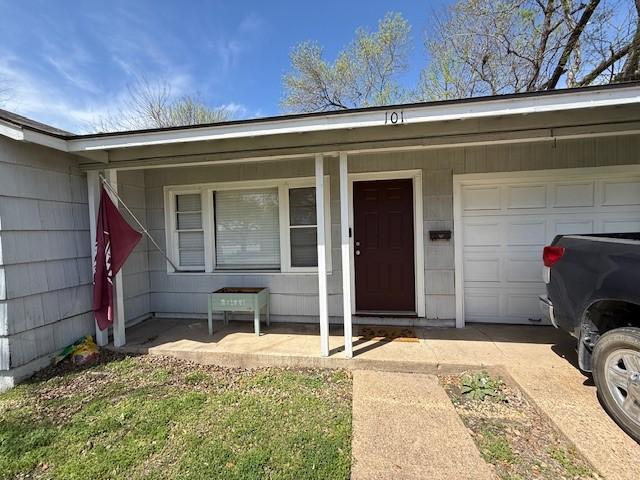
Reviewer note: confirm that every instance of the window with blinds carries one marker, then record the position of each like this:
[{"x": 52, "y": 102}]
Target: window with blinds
[
  {"x": 247, "y": 229},
  {"x": 189, "y": 231},
  {"x": 303, "y": 227}
]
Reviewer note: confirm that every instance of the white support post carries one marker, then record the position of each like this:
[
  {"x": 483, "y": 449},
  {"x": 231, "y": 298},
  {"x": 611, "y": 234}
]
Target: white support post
[
  {"x": 346, "y": 255},
  {"x": 119, "y": 338},
  {"x": 93, "y": 191},
  {"x": 322, "y": 258}
]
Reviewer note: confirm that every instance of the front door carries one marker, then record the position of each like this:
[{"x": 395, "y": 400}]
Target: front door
[{"x": 383, "y": 246}]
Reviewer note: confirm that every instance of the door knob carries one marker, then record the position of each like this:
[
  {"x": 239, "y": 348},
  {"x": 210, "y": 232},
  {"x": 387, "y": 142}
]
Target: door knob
[
  {"x": 357, "y": 244},
  {"x": 357, "y": 252}
]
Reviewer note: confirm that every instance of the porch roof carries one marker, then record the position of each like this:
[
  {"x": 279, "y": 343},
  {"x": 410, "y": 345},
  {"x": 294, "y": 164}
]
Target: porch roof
[{"x": 102, "y": 148}]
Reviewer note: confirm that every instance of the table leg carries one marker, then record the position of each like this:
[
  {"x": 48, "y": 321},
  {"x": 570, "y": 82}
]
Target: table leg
[
  {"x": 209, "y": 315},
  {"x": 268, "y": 308},
  {"x": 256, "y": 318},
  {"x": 226, "y": 317}
]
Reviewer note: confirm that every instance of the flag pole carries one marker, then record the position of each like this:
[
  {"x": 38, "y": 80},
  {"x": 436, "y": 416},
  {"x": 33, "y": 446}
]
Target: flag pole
[{"x": 112, "y": 190}]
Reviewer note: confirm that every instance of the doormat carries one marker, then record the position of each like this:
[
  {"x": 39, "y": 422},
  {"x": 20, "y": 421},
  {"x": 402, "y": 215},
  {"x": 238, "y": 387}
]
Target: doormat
[{"x": 388, "y": 334}]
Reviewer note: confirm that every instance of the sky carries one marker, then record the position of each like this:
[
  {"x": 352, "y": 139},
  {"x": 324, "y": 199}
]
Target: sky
[{"x": 68, "y": 63}]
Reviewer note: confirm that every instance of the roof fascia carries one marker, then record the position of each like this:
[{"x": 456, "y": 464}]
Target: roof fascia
[{"x": 362, "y": 119}]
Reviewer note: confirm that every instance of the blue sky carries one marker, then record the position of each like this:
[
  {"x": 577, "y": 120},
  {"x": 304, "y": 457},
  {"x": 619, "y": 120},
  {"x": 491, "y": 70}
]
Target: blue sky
[{"x": 70, "y": 62}]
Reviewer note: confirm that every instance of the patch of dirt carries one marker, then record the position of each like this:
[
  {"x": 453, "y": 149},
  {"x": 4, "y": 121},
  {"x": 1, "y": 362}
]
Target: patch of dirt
[{"x": 514, "y": 437}]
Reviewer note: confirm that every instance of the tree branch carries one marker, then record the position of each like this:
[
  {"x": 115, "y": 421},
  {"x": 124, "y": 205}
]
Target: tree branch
[
  {"x": 542, "y": 45},
  {"x": 602, "y": 66},
  {"x": 571, "y": 44},
  {"x": 633, "y": 61}
]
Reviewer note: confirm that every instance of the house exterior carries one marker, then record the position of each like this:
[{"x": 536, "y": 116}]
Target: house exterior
[{"x": 420, "y": 214}]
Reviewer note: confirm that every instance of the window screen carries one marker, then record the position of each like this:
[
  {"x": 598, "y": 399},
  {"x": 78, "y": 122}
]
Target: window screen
[
  {"x": 302, "y": 227},
  {"x": 247, "y": 229},
  {"x": 189, "y": 230}
]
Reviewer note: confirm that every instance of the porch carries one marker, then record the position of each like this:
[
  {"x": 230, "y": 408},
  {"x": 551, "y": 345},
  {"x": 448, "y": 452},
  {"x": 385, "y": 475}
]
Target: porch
[
  {"x": 435, "y": 220},
  {"x": 423, "y": 349}
]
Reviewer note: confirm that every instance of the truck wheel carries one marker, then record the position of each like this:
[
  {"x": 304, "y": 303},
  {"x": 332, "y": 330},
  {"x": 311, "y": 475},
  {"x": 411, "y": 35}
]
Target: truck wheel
[{"x": 616, "y": 373}]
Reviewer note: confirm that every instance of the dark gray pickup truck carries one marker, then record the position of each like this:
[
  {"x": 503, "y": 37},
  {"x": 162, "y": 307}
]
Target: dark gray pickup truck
[{"x": 593, "y": 292}]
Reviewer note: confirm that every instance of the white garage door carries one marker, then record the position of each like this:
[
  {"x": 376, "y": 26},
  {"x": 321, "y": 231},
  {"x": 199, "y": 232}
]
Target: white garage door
[{"x": 506, "y": 224}]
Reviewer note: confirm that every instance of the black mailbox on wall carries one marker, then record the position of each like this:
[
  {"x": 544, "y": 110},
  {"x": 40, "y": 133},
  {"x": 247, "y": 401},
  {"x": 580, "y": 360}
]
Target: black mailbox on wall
[{"x": 440, "y": 234}]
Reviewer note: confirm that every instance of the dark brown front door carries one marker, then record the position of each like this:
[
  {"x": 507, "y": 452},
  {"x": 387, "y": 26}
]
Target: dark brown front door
[{"x": 383, "y": 245}]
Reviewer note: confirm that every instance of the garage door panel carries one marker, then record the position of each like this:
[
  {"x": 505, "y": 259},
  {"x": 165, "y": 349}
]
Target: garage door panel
[
  {"x": 506, "y": 224},
  {"x": 526, "y": 196},
  {"x": 574, "y": 195},
  {"x": 618, "y": 193},
  {"x": 621, "y": 226},
  {"x": 523, "y": 307},
  {"x": 481, "y": 198},
  {"x": 532, "y": 232},
  {"x": 482, "y": 305},
  {"x": 523, "y": 270},
  {"x": 576, "y": 227},
  {"x": 482, "y": 269},
  {"x": 482, "y": 234}
]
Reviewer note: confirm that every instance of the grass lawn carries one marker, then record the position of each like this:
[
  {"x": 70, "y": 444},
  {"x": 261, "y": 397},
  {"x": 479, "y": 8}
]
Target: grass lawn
[{"x": 156, "y": 417}]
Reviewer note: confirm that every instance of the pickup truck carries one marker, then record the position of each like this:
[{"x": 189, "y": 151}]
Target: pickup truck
[{"x": 593, "y": 292}]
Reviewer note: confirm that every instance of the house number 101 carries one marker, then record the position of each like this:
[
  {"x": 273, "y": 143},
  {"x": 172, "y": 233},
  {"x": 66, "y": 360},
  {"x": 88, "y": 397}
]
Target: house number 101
[{"x": 393, "y": 118}]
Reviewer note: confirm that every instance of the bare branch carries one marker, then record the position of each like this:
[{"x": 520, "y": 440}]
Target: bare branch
[
  {"x": 602, "y": 66},
  {"x": 152, "y": 105},
  {"x": 632, "y": 66},
  {"x": 542, "y": 45},
  {"x": 571, "y": 44}
]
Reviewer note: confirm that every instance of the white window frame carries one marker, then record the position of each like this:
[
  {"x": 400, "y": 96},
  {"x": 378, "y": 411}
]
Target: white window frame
[
  {"x": 207, "y": 190},
  {"x": 172, "y": 231},
  {"x": 285, "y": 222}
]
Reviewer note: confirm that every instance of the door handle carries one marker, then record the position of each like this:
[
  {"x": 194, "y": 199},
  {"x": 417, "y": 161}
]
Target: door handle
[
  {"x": 357, "y": 244},
  {"x": 357, "y": 252}
]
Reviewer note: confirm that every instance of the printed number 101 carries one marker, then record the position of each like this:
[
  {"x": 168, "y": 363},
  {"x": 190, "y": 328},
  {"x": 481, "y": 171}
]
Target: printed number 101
[{"x": 393, "y": 118}]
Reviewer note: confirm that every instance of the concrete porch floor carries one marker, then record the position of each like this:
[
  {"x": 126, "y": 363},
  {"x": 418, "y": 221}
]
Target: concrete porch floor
[{"x": 299, "y": 345}]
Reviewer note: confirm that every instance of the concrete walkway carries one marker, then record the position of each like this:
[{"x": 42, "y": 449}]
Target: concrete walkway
[{"x": 405, "y": 427}]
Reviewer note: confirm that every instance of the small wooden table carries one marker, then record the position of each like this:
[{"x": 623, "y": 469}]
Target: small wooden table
[{"x": 239, "y": 299}]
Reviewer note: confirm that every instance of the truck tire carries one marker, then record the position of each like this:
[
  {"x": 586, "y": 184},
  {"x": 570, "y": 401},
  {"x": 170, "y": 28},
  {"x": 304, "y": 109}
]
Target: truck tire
[{"x": 616, "y": 373}]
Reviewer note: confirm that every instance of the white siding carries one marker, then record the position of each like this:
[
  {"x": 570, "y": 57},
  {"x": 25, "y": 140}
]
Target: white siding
[{"x": 45, "y": 264}]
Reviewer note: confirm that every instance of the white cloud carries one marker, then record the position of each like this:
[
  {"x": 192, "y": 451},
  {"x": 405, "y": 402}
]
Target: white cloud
[
  {"x": 70, "y": 87},
  {"x": 72, "y": 73},
  {"x": 37, "y": 97}
]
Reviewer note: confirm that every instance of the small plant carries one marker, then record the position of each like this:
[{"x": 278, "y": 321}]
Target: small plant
[{"x": 480, "y": 386}]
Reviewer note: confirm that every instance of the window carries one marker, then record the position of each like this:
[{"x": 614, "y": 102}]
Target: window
[
  {"x": 247, "y": 229},
  {"x": 189, "y": 231},
  {"x": 253, "y": 226},
  {"x": 303, "y": 227}
]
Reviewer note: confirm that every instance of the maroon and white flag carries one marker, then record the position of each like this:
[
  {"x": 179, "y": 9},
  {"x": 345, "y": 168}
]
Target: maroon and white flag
[{"x": 115, "y": 240}]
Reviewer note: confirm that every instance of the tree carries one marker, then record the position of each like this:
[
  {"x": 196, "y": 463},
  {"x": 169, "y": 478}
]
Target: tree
[
  {"x": 484, "y": 47},
  {"x": 152, "y": 105},
  {"x": 365, "y": 73}
]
